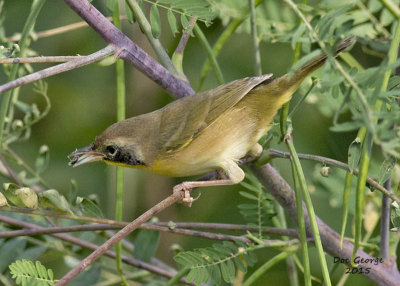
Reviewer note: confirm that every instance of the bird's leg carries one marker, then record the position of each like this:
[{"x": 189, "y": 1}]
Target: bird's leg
[
  {"x": 255, "y": 151},
  {"x": 186, "y": 187},
  {"x": 230, "y": 168}
]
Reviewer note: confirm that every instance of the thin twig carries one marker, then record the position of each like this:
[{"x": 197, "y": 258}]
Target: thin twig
[
  {"x": 79, "y": 62},
  {"x": 213, "y": 60},
  {"x": 385, "y": 224},
  {"x": 94, "y": 227},
  {"x": 91, "y": 246},
  {"x": 280, "y": 154},
  {"x": 42, "y": 59},
  {"x": 185, "y": 36},
  {"x": 104, "y": 224},
  {"x": 378, "y": 26},
  {"x": 256, "y": 49},
  {"x": 175, "y": 197},
  {"x": 177, "y": 56},
  {"x": 393, "y": 8}
]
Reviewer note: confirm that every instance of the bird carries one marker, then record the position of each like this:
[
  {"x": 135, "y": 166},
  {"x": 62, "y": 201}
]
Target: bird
[{"x": 210, "y": 130}]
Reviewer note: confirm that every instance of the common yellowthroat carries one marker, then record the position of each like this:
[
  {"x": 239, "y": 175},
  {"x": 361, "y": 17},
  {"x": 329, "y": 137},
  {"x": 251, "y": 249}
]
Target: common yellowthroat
[{"x": 208, "y": 131}]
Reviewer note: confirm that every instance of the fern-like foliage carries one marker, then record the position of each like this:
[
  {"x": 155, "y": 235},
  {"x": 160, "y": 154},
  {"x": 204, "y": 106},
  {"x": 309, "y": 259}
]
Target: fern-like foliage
[
  {"x": 25, "y": 272},
  {"x": 186, "y": 9},
  {"x": 218, "y": 262},
  {"x": 260, "y": 208}
]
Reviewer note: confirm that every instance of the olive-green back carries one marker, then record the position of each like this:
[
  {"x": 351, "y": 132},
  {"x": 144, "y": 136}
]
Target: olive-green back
[{"x": 185, "y": 118}]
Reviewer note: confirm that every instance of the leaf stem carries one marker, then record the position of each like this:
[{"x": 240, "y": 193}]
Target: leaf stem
[
  {"x": 23, "y": 43},
  {"x": 301, "y": 227},
  {"x": 310, "y": 208},
  {"x": 266, "y": 266},
  {"x": 155, "y": 43},
  {"x": 119, "y": 170},
  {"x": 210, "y": 54},
  {"x": 254, "y": 36}
]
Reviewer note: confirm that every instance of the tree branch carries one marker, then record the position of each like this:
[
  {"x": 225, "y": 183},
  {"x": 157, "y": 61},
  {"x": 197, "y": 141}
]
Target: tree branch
[
  {"x": 93, "y": 227},
  {"x": 73, "y": 64},
  {"x": 92, "y": 246},
  {"x": 372, "y": 183},
  {"x": 383, "y": 274},
  {"x": 175, "y": 197},
  {"x": 41, "y": 59},
  {"x": 129, "y": 51}
]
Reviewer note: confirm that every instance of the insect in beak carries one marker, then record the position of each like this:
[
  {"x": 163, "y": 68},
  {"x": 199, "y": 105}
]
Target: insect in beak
[{"x": 84, "y": 155}]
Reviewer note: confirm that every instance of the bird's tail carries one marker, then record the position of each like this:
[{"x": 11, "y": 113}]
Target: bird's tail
[
  {"x": 319, "y": 60},
  {"x": 282, "y": 88}
]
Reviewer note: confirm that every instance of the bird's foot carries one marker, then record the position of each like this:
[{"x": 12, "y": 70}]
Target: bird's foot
[{"x": 186, "y": 188}]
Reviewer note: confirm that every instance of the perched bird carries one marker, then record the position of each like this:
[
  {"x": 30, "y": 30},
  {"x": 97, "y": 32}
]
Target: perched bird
[{"x": 208, "y": 131}]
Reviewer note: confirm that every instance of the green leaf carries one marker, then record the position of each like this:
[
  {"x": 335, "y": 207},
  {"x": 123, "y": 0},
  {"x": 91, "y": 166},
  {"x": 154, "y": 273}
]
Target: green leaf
[
  {"x": 184, "y": 21},
  {"x": 172, "y": 22},
  {"x": 146, "y": 244},
  {"x": 248, "y": 196},
  {"x": 52, "y": 199},
  {"x": 20, "y": 197},
  {"x": 386, "y": 170},
  {"x": 374, "y": 6},
  {"x": 225, "y": 272},
  {"x": 155, "y": 21},
  {"x": 3, "y": 200},
  {"x": 395, "y": 218},
  {"x": 239, "y": 264},
  {"x": 107, "y": 61},
  {"x": 41, "y": 270},
  {"x": 89, "y": 207},
  {"x": 216, "y": 274},
  {"x": 354, "y": 154}
]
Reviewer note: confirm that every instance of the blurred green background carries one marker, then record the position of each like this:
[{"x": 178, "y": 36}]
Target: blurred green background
[{"x": 84, "y": 104}]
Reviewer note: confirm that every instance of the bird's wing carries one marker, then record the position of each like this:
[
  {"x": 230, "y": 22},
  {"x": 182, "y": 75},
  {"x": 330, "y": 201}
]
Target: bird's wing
[{"x": 183, "y": 119}]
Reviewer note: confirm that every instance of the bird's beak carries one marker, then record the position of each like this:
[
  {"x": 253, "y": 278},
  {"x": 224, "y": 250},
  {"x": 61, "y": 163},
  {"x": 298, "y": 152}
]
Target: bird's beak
[{"x": 84, "y": 155}]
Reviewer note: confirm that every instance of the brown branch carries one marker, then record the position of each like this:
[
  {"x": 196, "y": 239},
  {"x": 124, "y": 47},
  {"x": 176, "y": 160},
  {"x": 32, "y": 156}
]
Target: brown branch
[
  {"x": 94, "y": 227},
  {"x": 129, "y": 51},
  {"x": 92, "y": 246},
  {"x": 106, "y": 224},
  {"x": 384, "y": 273},
  {"x": 41, "y": 59},
  {"x": 73, "y": 64},
  {"x": 175, "y": 197},
  {"x": 328, "y": 161},
  {"x": 185, "y": 36},
  {"x": 385, "y": 224},
  {"x": 228, "y": 226}
]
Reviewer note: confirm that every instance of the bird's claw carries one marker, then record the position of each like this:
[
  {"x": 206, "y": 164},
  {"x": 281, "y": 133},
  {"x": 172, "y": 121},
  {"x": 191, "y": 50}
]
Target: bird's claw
[{"x": 187, "y": 200}]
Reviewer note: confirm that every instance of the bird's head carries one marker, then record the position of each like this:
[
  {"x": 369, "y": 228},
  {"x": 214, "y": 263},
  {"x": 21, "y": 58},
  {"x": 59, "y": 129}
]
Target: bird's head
[{"x": 116, "y": 145}]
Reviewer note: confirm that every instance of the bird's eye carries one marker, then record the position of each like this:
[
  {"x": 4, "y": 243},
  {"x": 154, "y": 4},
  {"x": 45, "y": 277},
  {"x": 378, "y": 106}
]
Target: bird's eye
[{"x": 112, "y": 150}]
